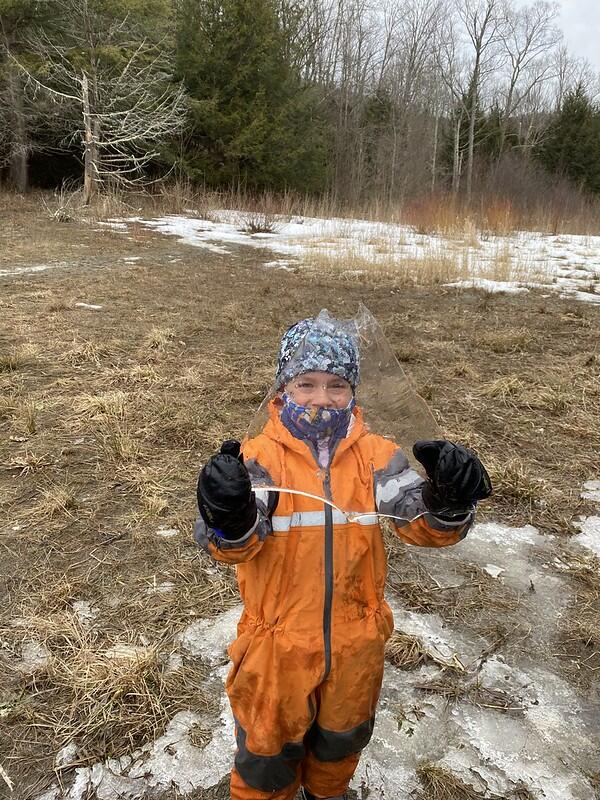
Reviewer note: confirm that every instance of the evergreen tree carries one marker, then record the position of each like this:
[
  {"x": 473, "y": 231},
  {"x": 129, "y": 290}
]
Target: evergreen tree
[
  {"x": 253, "y": 122},
  {"x": 571, "y": 146},
  {"x": 22, "y": 123}
]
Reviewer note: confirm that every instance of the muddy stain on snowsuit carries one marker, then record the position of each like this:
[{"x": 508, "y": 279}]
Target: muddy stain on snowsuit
[{"x": 307, "y": 665}]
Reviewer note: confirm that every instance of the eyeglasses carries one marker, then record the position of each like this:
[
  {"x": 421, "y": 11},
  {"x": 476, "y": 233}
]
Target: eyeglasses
[{"x": 336, "y": 389}]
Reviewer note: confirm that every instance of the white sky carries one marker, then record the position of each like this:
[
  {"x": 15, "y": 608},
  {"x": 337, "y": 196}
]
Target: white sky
[{"x": 580, "y": 23}]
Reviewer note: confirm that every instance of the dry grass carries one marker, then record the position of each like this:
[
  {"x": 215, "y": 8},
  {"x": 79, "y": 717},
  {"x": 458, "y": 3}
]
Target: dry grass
[
  {"x": 407, "y": 652},
  {"x": 260, "y": 222},
  {"x": 158, "y": 338},
  {"x": 126, "y": 415},
  {"x": 57, "y": 500},
  {"x": 86, "y": 352},
  {"x": 441, "y": 784},
  {"x": 116, "y": 440},
  {"x": 506, "y": 389},
  {"x": 579, "y": 638},
  {"x": 10, "y": 362},
  {"x": 514, "y": 480},
  {"x": 29, "y": 463},
  {"x": 108, "y": 696},
  {"x": 111, "y": 404},
  {"x": 512, "y": 341}
]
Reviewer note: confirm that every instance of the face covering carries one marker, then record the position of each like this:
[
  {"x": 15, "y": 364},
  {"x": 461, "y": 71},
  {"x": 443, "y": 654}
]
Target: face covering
[{"x": 316, "y": 424}]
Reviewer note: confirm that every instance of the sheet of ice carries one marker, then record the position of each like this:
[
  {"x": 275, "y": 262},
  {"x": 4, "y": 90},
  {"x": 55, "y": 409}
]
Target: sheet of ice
[
  {"x": 591, "y": 491},
  {"x": 85, "y": 612},
  {"x": 590, "y": 534},
  {"x": 34, "y": 656},
  {"x": 209, "y": 638},
  {"x": 548, "y": 743}
]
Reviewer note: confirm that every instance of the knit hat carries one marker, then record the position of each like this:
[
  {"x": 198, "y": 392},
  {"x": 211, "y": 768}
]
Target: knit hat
[{"x": 318, "y": 345}]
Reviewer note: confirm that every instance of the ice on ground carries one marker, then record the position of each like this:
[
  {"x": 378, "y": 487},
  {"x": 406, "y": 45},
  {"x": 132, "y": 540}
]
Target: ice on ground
[
  {"x": 492, "y": 287},
  {"x": 547, "y": 741},
  {"x": 114, "y": 224},
  {"x": 494, "y": 570},
  {"x": 567, "y": 264},
  {"x": 13, "y": 271},
  {"x": 85, "y": 612},
  {"x": 590, "y": 534},
  {"x": 167, "y": 533},
  {"x": 591, "y": 491},
  {"x": 67, "y": 755},
  {"x": 88, "y": 306},
  {"x": 208, "y": 639},
  {"x": 34, "y": 656}
]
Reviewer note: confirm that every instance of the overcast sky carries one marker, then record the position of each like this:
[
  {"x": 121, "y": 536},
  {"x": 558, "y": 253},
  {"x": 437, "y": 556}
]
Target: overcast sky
[{"x": 580, "y": 23}]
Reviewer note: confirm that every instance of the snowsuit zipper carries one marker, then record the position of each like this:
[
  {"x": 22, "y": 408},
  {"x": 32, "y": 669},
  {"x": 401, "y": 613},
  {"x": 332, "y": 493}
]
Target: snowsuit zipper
[{"x": 328, "y": 577}]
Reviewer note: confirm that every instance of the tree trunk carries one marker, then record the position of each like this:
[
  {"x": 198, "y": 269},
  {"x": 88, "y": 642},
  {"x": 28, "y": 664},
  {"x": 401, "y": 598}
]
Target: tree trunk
[
  {"x": 434, "y": 154},
  {"x": 87, "y": 153},
  {"x": 456, "y": 167},
  {"x": 89, "y": 165},
  {"x": 471, "y": 150},
  {"x": 19, "y": 163}
]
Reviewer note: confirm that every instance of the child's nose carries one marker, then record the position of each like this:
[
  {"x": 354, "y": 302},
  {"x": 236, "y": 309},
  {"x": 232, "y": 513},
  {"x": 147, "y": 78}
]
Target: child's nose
[{"x": 321, "y": 398}]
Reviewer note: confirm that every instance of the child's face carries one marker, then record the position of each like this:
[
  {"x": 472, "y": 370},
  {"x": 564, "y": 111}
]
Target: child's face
[{"x": 319, "y": 390}]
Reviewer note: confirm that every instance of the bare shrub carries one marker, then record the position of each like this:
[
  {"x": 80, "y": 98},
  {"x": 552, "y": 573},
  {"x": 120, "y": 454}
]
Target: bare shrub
[{"x": 259, "y": 222}]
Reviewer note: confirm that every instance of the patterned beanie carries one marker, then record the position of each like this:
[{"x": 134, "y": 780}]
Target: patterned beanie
[{"x": 317, "y": 345}]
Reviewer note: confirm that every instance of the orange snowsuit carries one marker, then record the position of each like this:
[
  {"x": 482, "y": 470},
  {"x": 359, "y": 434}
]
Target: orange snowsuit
[{"x": 309, "y": 656}]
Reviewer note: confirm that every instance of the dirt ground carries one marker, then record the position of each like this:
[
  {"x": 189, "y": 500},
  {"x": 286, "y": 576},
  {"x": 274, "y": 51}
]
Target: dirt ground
[{"x": 107, "y": 414}]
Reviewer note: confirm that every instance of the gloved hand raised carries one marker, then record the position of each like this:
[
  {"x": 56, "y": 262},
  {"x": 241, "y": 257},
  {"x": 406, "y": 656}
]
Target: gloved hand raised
[
  {"x": 457, "y": 478},
  {"x": 225, "y": 497}
]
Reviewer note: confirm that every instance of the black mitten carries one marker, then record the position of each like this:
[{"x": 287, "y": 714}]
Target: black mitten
[
  {"x": 225, "y": 497},
  {"x": 457, "y": 478}
]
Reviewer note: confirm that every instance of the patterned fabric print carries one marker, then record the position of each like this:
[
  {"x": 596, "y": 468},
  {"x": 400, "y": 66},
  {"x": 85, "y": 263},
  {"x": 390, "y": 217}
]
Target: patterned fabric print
[
  {"x": 316, "y": 424},
  {"x": 311, "y": 346}
]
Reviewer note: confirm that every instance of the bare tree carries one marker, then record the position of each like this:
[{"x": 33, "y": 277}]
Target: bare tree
[
  {"x": 116, "y": 109},
  {"x": 530, "y": 42},
  {"x": 484, "y": 22}
]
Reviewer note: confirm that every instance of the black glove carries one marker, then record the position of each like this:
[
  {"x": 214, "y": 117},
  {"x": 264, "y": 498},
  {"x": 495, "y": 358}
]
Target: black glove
[
  {"x": 457, "y": 478},
  {"x": 225, "y": 497}
]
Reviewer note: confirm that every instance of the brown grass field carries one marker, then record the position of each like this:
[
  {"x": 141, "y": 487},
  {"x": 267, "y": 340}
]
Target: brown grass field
[{"x": 106, "y": 416}]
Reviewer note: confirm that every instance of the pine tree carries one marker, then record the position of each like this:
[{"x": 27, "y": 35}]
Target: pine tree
[
  {"x": 571, "y": 146},
  {"x": 21, "y": 122},
  {"x": 253, "y": 122}
]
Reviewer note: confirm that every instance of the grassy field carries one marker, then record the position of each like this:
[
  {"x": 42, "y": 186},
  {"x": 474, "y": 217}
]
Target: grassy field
[{"x": 107, "y": 414}]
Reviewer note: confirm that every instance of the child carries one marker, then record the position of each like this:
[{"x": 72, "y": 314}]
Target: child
[{"x": 309, "y": 657}]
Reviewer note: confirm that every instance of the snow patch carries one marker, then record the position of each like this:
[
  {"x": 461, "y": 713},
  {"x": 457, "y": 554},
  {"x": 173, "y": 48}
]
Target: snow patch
[
  {"x": 492, "y": 287},
  {"x": 210, "y": 638},
  {"x": 167, "y": 533},
  {"x": 591, "y": 491},
  {"x": 590, "y": 534},
  {"x": 85, "y": 612},
  {"x": 569, "y": 265},
  {"x": 34, "y": 656},
  {"x": 88, "y": 306},
  {"x": 4, "y": 273}
]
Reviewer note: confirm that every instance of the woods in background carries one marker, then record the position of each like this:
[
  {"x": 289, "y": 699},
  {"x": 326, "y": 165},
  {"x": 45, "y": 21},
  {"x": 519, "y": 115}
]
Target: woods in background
[{"x": 383, "y": 102}]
